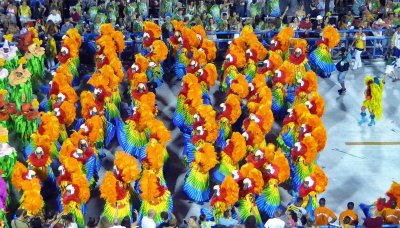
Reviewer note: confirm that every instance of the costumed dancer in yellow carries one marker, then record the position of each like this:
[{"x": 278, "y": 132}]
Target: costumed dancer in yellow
[{"x": 373, "y": 100}]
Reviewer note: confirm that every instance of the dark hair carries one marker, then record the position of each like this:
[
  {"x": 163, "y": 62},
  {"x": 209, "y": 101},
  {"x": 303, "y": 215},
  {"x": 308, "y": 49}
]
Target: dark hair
[
  {"x": 293, "y": 215},
  {"x": 350, "y": 205},
  {"x": 322, "y": 201},
  {"x": 92, "y": 222},
  {"x": 164, "y": 215},
  {"x": 194, "y": 218},
  {"x": 126, "y": 222},
  {"x": 226, "y": 213},
  {"x": 36, "y": 223},
  {"x": 250, "y": 222},
  {"x": 299, "y": 199},
  {"x": 20, "y": 212},
  {"x": 68, "y": 218}
]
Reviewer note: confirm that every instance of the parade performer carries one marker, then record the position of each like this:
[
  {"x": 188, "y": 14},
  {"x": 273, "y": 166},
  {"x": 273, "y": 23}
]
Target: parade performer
[
  {"x": 69, "y": 53},
  {"x": 298, "y": 58},
  {"x": 207, "y": 78},
  {"x": 154, "y": 196},
  {"x": 188, "y": 98},
  {"x": 26, "y": 121},
  {"x": 314, "y": 126},
  {"x": 132, "y": 134},
  {"x": 3, "y": 75},
  {"x": 284, "y": 77},
  {"x": 197, "y": 180},
  {"x": 157, "y": 55},
  {"x": 76, "y": 194},
  {"x": 231, "y": 111},
  {"x": 275, "y": 172},
  {"x": 8, "y": 155},
  {"x": 207, "y": 46},
  {"x": 259, "y": 94},
  {"x": 25, "y": 180},
  {"x": 251, "y": 184},
  {"x": 3, "y": 201},
  {"x": 321, "y": 57},
  {"x": 78, "y": 146},
  {"x": 271, "y": 64},
  {"x": 225, "y": 196},
  {"x": 151, "y": 33},
  {"x": 231, "y": 155},
  {"x": 7, "y": 111},
  {"x": 20, "y": 83},
  {"x": 316, "y": 104},
  {"x": 306, "y": 85},
  {"x": 138, "y": 67},
  {"x": 391, "y": 196},
  {"x": 40, "y": 158},
  {"x": 281, "y": 42},
  {"x": 9, "y": 53},
  {"x": 235, "y": 58},
  {"x": 312, "y": 185},
  {"x": 116, "y": 187},
  {"x": 291, "y": 127},
  {"x": 254, "y": 53},
  {"x": 35, "y": 60},
  {"x": 159, "y": 134},
  {"x": 373, "y": 100}
]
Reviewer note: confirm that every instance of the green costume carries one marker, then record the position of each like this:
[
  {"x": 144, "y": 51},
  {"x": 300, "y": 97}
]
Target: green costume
[{"x": 215, "y": 12}]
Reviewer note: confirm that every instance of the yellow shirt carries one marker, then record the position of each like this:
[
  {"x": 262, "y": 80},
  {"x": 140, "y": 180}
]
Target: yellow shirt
[
  {"x": 360, "y": 41},
  {"x": 322, "y": 214},
  {"x": 25, "y": 11}
]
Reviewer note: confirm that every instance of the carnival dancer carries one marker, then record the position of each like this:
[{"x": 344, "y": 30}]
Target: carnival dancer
[
  {"x": 116, "y": 187},
  {"x": 25, "y": 180},
  {"x": 235, "y": 58},
  {"x": 7, "y": 111},
  {"x": 321, "y": 58},
  {"x": 151, "y": 33},
  {"x": 373, "y": 100},
  {"x": 225, "y": 196},
  {"x": 35, "y": 60},
  {"x": 20, "y": 83},
  {"x": 26, "y": 122},
  {"x": 8, "y": 155},
  {"x": 281, "y": 42}
]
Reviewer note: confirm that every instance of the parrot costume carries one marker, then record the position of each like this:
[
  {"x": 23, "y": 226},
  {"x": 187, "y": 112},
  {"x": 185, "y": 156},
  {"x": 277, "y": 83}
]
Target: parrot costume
[
  {"x": 250, "y": 183},
  {"x": 69, "y": 53},
  {"x": 275, "y": 172},
  {"x": 305, "y": 86},
  {"x": 40, "y": 158},
  {"x": 151, "y": 33},
  {"x": 321, "y": 58},
  {"x": 281, "y": 42},
  {"x": 284, "y": 77},
  {"x": 373, "y": 100},
  {"x": 225, "y": 196},
  {"x": 25, "y": 180},
  {"x": 154, "y": 196},
  {"x": 156, "y": 56},
  {"x": 235, "y": 58},
  {"x": 116, "y": 186},
  {"x": 270, "y": 65}
]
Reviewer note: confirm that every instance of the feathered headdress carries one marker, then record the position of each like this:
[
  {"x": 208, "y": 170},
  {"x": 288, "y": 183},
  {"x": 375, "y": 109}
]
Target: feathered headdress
[
  {"x": 308, "y": 83},
  {"x": 160, "y": 51},
  {"x": 301, "y": 44},
  {"x": 316, "y": 104},
  {"x": 235, "y": 56},
  {"x": 200, "y": 31},
  {"x": 128, "y": 166},
  {"x": 205, "y": 158},
  {"x": 19, "y": 175},
  {"x": 49, "y": 126},
  {"x": 236, "y": 147},
  {"x": 154, "y": 156},
  {"x": 152, "y": 28},
  {"x": 210, "y": 49},
  {"x": 108, "y": 189},
  {"x": 80, "y": 180},
  {"x": 231, "y": 108},
  {"x": 281, "y": 161},
  {"x": 315, "y": 127},
  {"x": 322, "y": 180},
  {"x": 158, "y": 131},
  {"x": 151, "y": 189},
  {"x": 208, "y": 74},
  {"x": 284, "y": 37},
  {"x": 230, "y": 190},
  {"x": 87, "y": 103},
  {"x": 307, "y": 148},
  {"x": 239, "y": 86},
  {"x": 286, "y": 70},
  {"x": 74, "y": 35},
  {"x": 332, "y": 35}
]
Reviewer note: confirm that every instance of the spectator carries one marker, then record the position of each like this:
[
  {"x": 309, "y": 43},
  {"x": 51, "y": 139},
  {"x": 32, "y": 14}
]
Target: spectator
[
  {"x": 322, "y": 213},
  {"x": 69, "y": 221},
  {"x": 300, "y": 13},
  {"x": 349, "y": 213},
  {"x": 391, "y": 215},
  {"x": 298, "y": 209},
  {"x": 204, "y": 223},
  {"x": 292, "y": 219},
  {"x": 12, "y": 13},
  {"x": 191, "y": 10},
  {"x": 19, "y": 221},
  {"x": 143, "y": 8},
  {"x": 173, "y": 223},
  {"x": 374, "y": 221},
  {"x": 201, "y": 8},
  {"x": 211, "y": 27},
  {"x": 192, "y": 223},
  {"x": 165, "y": 219},
  {"x": 388, "y": 8},
  {"x": 167, "y": 28},
  {"x": 241, "y": 8},
  {"x": 92, "y": 223},
  {"x": 148, "y": 221},
  {"x": 275, "y": 222},
  {"x": 38, "y": 11},
  {"x": 66, "y": 26},
  {"x": 305, "y": 26},
  {"x": 178, "y": 15},
  {"x": 251, "y": 222},
  {"x": 318, "y": 25},
  {"x": 36, "y": 222},
  {"x": 51, "y": 51},
  {"x": 349, "y": 17},
  {"x": 75, "y": 16},
  {"x": 343, "y": 67},
  {"x": 255, "y": 9},
  {"x": 51, "y": 28},
  {"x": 13, "y": 29},
  {"x": 55, "y": 17},
  {"x": 227, "y": 219},
  {"x": 25, "y": 13},
  {"x": 389, "y": 70},
  {"x": 360, "y": 41},
  {"x": 295, "y": 23},
  {"x": 358, "y": 4}
]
